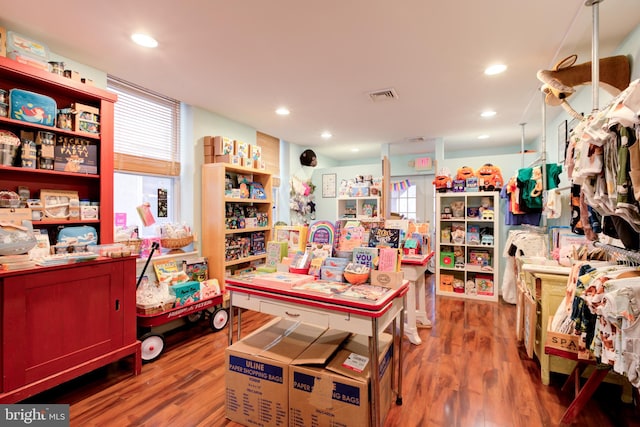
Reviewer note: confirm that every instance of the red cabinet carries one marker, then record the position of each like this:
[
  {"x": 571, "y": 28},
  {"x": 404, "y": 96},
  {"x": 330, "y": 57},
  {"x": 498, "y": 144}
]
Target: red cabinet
[
  {"x": 61, "y": 322},
  {"x": 94, "y": 187}
]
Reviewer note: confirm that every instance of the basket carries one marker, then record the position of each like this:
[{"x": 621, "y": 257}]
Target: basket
[
  {"x": 176, "y": 243},
  {"x": 134, "y": 245}
]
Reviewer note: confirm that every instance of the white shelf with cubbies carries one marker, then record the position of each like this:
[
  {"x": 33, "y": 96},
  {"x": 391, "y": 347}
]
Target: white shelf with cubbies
[{"x": 467, "y": 255}]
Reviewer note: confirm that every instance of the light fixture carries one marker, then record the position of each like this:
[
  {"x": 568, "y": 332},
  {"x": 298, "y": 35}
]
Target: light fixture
[
  {"x": 326, "y": 135},
  {"x": 488, "y": 113},
  {"x": 495, "y": 69},
  {"x": 283, "y": 111},
  {"x": 483, "y": 136},
  {"x": 355, "y": 150},
  {"x": 144, "y": 40}
]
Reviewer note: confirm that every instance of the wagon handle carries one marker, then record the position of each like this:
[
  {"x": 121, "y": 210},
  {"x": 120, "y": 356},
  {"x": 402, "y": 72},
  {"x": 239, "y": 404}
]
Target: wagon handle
[{"x": 154, "y": 246}]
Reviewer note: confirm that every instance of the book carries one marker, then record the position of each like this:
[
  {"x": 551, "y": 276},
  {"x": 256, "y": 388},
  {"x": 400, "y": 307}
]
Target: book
[
  {"x": 339, "y": 290},
  {"x": 388, "y": 259},
  {"x": 165, "y": 269},
  {"x": 384, "y": 237},
  {"x": 275, "y": 252},
  {"x": 366, "y": 256},
  {"x": 196, "y": 269}
]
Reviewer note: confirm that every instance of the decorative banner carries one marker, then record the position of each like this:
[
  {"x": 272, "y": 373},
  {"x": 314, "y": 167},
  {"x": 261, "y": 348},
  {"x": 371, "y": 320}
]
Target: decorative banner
[{"x": 401, "y": 185}]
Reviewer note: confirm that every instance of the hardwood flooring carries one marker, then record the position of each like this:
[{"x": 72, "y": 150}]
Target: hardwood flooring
[{"x": 468, "y": 372}]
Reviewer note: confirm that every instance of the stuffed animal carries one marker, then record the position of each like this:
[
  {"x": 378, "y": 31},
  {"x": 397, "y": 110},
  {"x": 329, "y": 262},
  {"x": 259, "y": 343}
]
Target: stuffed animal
[
  {"x": 465, "y": 172},
  {"x": 490, "y": 177},
  {"x": 560, "y": 81},
  {"x": 443, "y": 180}
]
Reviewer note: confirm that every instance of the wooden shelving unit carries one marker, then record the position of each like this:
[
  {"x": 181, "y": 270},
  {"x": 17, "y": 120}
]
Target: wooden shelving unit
[{"x": 215, "y": 230}]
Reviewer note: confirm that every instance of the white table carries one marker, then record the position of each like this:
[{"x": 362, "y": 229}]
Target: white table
[
  {"x": 416, "y": 311},
  {"x": 369, "y": 319}
]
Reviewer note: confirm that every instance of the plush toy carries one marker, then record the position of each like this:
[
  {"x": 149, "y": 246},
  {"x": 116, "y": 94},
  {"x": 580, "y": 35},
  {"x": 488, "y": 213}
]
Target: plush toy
[
  {"x": 560, "y": 81},
  {"x": 490, "y": 177},
  {"x": 443, "y": 180},
  {"x": 308, "y": 158},
  {"x": 465, "y": 172}
]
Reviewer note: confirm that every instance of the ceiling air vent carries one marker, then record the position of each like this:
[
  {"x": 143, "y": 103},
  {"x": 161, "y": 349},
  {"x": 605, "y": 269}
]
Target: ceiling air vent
[
  {"x": 384, "y": 94},
  {"x": 416, "y": 139}
]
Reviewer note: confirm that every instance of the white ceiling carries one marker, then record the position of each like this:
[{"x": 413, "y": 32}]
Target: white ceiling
[{"x": 242, "y": 59}]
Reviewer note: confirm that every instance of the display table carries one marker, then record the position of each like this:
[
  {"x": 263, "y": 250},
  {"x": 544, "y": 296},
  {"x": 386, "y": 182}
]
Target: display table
[
  {"x": 414, "y": 268},
  {"x": 357, "y": 316}
]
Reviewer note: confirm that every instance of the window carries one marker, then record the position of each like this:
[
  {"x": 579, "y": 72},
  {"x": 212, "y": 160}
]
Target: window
[
  {"x": 146, "y": 154},
  {"x": 404, "y": 202}
]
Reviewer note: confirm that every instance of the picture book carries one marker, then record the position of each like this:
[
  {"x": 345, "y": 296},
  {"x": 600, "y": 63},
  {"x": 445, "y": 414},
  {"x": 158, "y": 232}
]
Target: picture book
[
  {"x": 384, "y": 237},
  {"x": 315, "y": 266},
  {"x": 366, "y": 256},
  {"x": 169, "y": 271},
  {"x": 350, "y": 238},
  {"x": 322, "y": 232},
  {"x": 388, "y": 259},
  {"x": 275, "y": 252},
  {"x": 257, "y": 243},
  {"x": 196, "y": 269}
]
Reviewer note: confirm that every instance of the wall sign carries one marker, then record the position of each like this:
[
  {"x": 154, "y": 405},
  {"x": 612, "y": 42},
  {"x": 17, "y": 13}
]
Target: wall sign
[{"x": 329, "y": 185}]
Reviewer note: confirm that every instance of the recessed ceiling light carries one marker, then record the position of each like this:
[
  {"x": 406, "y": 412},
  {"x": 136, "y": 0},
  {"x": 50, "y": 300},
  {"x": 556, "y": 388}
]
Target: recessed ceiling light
[
  {"x": 355, "y": 150},
  {"x": 144, "y": 40},
  {"x": 488, "y": 113},
  {"x": 283, "y": 111},
  {"x": 483, "y": 137},
  {"x": 326, "y": 135},
  {"x": 495, "y": 69}
]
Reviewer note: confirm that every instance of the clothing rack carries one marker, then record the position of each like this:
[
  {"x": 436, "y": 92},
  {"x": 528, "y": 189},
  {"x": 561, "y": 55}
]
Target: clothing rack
[{"x": 629, "y": 255}]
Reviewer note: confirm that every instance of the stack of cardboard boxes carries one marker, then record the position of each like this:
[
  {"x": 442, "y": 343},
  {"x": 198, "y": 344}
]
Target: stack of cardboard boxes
[
  {"x": 296, "y": 374},
  {"x": 220, "y": 149}
]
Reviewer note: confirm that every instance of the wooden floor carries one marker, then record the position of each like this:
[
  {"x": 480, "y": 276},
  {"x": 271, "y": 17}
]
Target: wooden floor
[{"x": 469, "y": 371}]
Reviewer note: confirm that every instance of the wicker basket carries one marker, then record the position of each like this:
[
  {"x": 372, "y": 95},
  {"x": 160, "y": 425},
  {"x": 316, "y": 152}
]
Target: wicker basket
[
  {"x": 132, "y": 244},
  {"x": 176, "y": 243}
]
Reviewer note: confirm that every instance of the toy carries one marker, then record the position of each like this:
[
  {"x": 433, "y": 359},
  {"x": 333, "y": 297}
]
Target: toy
[
  {"x": 464, "y": 173},
  {"x": 443, "y": 180},
  {"x": 487, "y": 215},
  {"x": 559, "y": 82},
  {"x": 457, "y": 208},
  {"x": 490, "y": 177},
  {"x": 536, "y": 175},
  {"x": 470, "y": 288},
  {"x": 487, "y": 240}
]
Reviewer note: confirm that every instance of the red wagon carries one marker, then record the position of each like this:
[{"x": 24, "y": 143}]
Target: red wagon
[{"x": 153, "y": 342}]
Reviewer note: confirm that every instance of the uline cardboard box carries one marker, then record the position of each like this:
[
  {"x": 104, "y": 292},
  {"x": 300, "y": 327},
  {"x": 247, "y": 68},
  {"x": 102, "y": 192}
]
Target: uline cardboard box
[
  {"x": 339, "y": 393},
  {"x": 257, "y": 375}
]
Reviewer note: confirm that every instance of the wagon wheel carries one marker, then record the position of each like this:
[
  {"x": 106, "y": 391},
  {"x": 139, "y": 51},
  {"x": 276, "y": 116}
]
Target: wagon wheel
[
  {"x": 152, "y": 346},
  {"x": 194, "y": 317},
  {"x": 218, "y": 319}
]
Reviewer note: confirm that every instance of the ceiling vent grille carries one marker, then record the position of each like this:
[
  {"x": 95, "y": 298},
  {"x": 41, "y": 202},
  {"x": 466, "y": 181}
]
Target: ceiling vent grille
[
  {"x": 416, "y": 139},
  {"x": 384, "y": 94}
]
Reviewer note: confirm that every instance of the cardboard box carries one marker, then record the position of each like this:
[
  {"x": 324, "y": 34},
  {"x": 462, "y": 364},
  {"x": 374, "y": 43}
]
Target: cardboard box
[
  {"x": 338, "y": 393},
  {"x": 257, "y": 374},
  {"x": 3, "y": 41},
  {"x": 232, "y": 159},
  {"x": 221, "y": 145},
  {"x": 242, "y": 149},
  {"x": 89, "y": 212},
  {"x": 387, "y": 279},
  {"x": 86, "y": 119}
]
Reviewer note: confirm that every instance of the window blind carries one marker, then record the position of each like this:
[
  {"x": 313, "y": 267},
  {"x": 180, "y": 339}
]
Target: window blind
[{"x": 146, "y": 131}]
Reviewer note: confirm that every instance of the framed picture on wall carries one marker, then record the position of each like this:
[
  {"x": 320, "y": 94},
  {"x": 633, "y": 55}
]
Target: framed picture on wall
[
  {"x": 563, "y": 139},
  {"x": 329, "y": 185}
]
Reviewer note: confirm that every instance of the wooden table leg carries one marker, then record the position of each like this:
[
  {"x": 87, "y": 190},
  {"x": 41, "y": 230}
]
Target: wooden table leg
[{"x": 583, "y": 395}]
